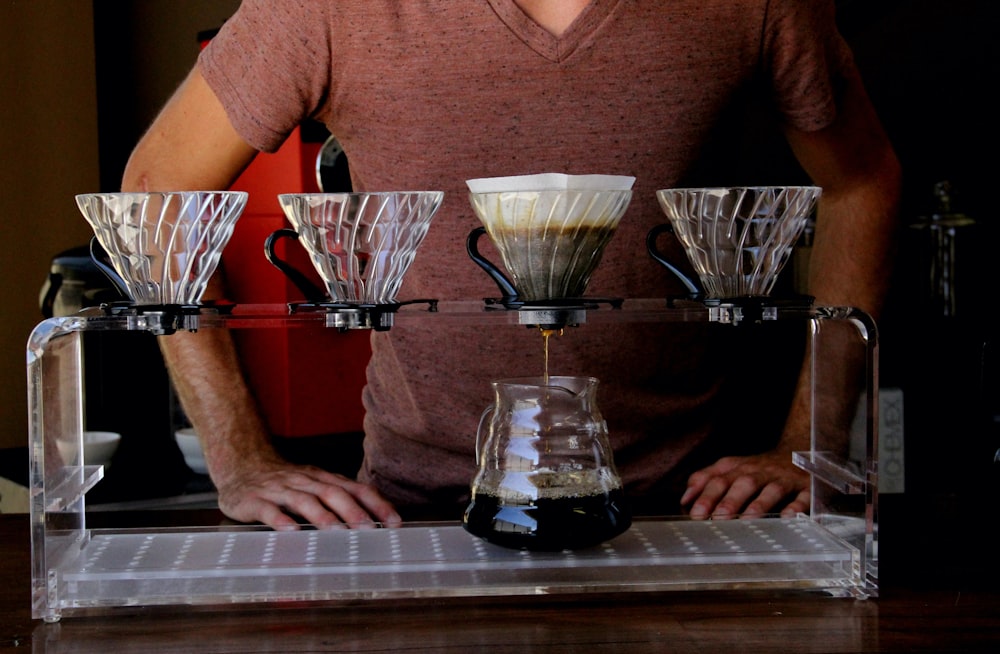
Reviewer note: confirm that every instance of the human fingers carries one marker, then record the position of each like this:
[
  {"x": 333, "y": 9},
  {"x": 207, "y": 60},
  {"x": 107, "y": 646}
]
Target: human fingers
[
  {"x": 376, "y": 505},
  {"x": 704, "y": 501},
  {"x": 276, "y": 496},
  {"x": 340, "y": 499},
  {"x": 697, "y": 493},
  {"x": 364, "y": 501},
  {"x": 727, "y": 495},
  {"x": 249, "y": 507},
  {"x": 748, "y": 486},
  {"x": 801, "y": 504},
  {"x": 699, "y": 479},
  {"x": 780, "y": 485},
  {"x": 770, "y": 496}
]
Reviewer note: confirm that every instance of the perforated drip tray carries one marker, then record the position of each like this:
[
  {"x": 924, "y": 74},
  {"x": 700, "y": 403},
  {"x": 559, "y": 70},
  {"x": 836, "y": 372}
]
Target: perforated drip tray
[{"x": 436, "y": 560}]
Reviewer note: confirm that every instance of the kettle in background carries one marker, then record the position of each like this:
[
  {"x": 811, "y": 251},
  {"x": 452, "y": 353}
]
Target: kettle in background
[{"x": 75, "y": 282}]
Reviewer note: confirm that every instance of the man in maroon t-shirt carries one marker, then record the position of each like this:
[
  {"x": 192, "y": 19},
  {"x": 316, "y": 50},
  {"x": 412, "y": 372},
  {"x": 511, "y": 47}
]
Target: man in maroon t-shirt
[{"x": 425, "y": 98}]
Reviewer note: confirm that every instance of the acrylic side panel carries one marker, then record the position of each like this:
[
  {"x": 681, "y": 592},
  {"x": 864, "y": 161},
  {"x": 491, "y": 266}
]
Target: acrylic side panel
[
  {"x": 843, "y": 378},
  {"x": 57, "y": 484}
]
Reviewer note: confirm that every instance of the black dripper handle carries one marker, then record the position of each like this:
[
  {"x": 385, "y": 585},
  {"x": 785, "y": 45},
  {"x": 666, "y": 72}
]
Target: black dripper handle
[
  {"x": 311, "y": 291},
  {"x": 654, "y": 252},
  {"x": 100, "y": 257},
  {"x": 507, "y": 289}
]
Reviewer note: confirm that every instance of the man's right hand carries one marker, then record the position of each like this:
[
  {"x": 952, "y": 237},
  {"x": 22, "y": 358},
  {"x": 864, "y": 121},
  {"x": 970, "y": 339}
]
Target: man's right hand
[
  {"x": 254, "y": 483},
  {"x": 278, "y": 494}
]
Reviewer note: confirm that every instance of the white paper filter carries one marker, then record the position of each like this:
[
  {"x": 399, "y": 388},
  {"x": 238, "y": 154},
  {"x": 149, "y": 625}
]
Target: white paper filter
[{"x": 550, "y": 182}]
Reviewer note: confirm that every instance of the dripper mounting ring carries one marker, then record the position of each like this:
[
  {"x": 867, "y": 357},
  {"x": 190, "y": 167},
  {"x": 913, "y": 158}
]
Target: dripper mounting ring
[
  {"x": 164, "y": 319},
  {"x": 551, "y": 313},
  {"x": 346, "y": 315}
]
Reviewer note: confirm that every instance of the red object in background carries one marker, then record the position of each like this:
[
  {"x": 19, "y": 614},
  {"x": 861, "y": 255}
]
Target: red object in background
[{"x": 307, "y": 380}]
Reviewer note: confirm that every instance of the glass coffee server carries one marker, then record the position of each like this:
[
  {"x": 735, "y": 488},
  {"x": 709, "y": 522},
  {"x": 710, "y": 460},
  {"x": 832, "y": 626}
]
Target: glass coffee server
[{"x": 80, "y": 569}]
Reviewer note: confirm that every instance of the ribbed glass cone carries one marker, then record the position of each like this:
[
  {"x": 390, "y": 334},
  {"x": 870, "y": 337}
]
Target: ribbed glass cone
[
  {"x": 164, "y": 246},
  {"x": 362, "y": 244},
  {"x": 551, "y": 241},
  {"x": 738, "y": 239}
]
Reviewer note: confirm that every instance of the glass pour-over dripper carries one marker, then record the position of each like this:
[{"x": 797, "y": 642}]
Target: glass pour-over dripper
[
  {"x": 162, "y": 247},
  {"x": 361, "y": 244},
  {"x": 550, "y": 230},
  {"x": 738, "y": 239}
]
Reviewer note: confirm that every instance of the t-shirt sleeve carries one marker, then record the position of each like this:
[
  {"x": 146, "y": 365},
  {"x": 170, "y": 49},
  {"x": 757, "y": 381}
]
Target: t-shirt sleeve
[
  {"x": 269, "y": 67},
  {"x": 807, "y": 61}
]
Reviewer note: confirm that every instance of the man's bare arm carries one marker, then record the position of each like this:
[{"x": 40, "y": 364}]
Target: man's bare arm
[
  {"x": 850, "y": 265},
  {"x": 193, "y": 146}
]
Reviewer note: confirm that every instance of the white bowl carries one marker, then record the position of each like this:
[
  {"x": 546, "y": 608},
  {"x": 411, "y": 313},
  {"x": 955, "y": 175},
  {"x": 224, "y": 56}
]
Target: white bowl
[
  {"x": 190, "y": 446},
  {"x": 98, "y": 448}
]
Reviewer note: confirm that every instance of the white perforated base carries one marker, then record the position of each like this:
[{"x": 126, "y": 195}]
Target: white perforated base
[{"x": 245, "y": 566}]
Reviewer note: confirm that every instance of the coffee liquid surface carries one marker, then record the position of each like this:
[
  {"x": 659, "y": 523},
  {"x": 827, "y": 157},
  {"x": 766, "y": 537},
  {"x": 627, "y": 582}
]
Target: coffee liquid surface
[
  {"x": 547, "y": 510},
  {"x": 549, "y": 524}
]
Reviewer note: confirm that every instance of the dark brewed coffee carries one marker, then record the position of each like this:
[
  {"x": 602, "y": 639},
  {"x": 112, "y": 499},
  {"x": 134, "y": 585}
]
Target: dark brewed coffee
[
  {"x": 555, "y": 524},
  {"x": 549, "y": 263}
]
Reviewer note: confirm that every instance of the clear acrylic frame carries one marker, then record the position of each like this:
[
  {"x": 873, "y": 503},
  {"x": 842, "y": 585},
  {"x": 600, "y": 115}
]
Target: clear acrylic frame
[{"x": 80, "y": 570}]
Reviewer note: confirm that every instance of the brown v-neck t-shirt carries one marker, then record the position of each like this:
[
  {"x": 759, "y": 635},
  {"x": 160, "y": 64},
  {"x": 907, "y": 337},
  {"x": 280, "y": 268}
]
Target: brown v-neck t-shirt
[{"x": 424, "y": 95}]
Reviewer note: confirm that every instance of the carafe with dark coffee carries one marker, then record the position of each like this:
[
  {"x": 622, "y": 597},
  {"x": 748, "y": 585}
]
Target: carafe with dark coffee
[{"x": 546, "y": 478}]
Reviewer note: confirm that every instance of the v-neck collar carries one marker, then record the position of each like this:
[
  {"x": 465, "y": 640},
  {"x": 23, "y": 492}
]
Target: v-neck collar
[{"x": 546, "y": 44}]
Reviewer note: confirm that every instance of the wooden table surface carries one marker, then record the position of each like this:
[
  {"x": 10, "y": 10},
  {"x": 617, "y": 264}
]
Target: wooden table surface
[{"x": 906, "y": 617}]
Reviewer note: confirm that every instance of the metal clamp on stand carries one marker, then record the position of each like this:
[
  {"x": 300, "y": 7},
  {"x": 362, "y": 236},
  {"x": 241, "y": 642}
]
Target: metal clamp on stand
[
  {"x": 161, "y": 320},
  {"x": 339, "y": 314},
  {"x": 345, "y": 316},
  {"x": 551, "y": 314},
  {"x": 744, "y": 310}
]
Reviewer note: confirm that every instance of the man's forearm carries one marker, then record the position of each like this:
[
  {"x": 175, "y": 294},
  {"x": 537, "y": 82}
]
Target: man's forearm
[
  {"x": 206, "y": 373},
  {"x": 851, "y": 260}
]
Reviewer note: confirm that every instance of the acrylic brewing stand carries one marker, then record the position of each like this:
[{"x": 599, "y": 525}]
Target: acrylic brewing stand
[{"x": 78, "y": 570}]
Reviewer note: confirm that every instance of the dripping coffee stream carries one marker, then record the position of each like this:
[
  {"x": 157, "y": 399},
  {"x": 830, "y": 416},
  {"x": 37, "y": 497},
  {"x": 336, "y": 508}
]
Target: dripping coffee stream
[{"x": 546, "y": 337}]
